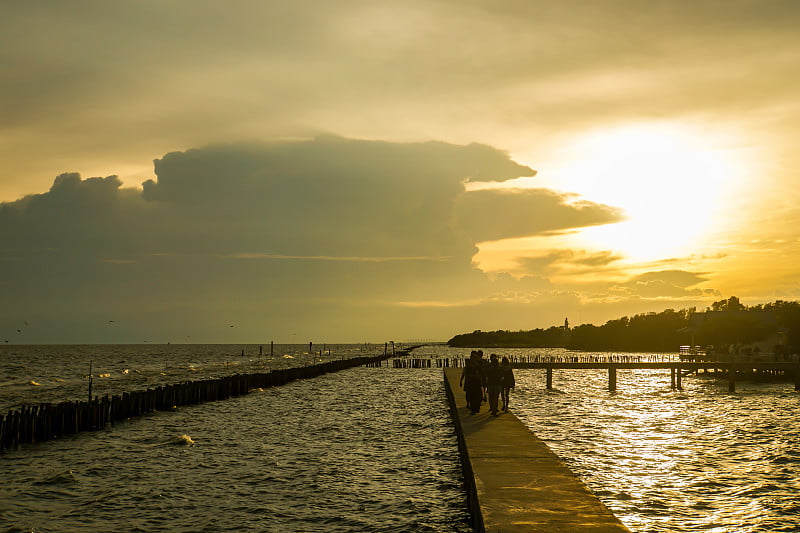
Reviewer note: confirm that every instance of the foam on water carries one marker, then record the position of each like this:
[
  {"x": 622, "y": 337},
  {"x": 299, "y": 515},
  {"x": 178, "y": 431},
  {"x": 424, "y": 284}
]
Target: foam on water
[{"x": 181, "y": 440}]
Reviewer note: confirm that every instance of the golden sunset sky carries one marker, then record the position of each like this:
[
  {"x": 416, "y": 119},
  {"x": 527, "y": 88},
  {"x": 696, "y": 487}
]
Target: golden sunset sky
[{"x": 369, "y": 171}]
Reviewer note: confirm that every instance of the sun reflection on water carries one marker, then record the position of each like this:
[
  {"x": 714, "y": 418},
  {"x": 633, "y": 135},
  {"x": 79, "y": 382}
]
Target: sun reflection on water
[{"x": 671, "y": 461}]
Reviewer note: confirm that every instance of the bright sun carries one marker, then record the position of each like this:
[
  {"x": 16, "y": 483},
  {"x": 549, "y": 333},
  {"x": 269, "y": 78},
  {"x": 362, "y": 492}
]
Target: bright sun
[{"x": 670, "y": 181}]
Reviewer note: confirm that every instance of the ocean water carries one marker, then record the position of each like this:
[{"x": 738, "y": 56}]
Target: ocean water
[
  {"x": 366, "y": 449},
  {"x": 700, "y": 459},
  {"x": 372, "y": 449}
]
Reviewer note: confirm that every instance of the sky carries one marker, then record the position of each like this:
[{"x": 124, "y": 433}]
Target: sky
[{"x": 360, "y": 171}]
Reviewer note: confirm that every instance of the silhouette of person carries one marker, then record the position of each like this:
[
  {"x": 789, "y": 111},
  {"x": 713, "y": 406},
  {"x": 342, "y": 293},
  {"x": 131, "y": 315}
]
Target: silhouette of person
[
  {"x": 484, "y": 363},
  {"x": 507, "y": 381},
  {"x": 464, "y": 373},
  {"x": 472, "y": 379},
  {"x": 494, "y": 382}
]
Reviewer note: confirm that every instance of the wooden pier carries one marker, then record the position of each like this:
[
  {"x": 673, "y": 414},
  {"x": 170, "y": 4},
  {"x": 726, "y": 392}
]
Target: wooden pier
[
  {"x": 731, "y": 370},
  {"x": 514, "y": 482},
  {"x": 678, "y": 370}
]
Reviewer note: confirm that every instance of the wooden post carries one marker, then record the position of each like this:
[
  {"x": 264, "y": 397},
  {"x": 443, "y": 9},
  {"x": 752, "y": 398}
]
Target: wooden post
[
  {"x": 612, "y": 378},
  {"x": 90, "y": 380},
  {"x": 678, "y": 376},
  {"x": 731, "y": 378},
  {"x": 271, "y": 348},
  {"x": 672, "y": 378},
  {"x": 549, "y": 378}
]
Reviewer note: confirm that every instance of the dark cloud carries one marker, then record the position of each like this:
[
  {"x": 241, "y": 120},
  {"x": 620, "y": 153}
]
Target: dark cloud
[
  {"x": 525, "y": 212},
  {"x": 330, "y": 196},
  {"x": 75, "y": 217},
  {"x": 260, "y": 228}
]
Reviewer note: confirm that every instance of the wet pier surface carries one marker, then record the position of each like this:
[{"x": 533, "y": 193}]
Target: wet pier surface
[{"x": 519, "y": 484}]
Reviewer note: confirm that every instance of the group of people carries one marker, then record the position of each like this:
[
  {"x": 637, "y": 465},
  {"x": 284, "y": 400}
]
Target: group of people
[{"x": 481, "y": 380}]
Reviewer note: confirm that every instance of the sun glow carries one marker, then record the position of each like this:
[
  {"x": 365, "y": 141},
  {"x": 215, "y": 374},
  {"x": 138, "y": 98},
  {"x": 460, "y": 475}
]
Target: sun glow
[{"x": 672, "y": 184}]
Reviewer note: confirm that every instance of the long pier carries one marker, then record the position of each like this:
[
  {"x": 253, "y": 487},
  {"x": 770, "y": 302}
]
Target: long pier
[
  {"x": 514, "y": 482},
  {"x": 678, "y": 369}
]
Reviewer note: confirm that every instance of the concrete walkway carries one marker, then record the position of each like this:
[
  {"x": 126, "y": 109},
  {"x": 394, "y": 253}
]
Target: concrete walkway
[{"x": 521, "y": 485}]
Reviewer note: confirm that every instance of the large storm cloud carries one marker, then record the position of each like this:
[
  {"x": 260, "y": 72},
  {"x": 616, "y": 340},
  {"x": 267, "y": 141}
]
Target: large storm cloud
[{"x": 268, "y": 229}]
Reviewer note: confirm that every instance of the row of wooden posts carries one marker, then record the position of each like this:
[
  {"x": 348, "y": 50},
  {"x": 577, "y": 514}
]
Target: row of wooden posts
[
  {"x": 36, "y": 423},
  {"x": 459, "y": 362},
  {"x": 448, "y": 362}
]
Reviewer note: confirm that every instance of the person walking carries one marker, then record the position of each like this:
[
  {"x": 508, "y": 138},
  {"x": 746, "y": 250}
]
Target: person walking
[
  {"x": 494, "y": 382},
  {"x": 465, "y": 374},
  {"x": 507, "y": 381},
  {"x": 472, "y": 381},
  {"x": 484, "y": 363}
]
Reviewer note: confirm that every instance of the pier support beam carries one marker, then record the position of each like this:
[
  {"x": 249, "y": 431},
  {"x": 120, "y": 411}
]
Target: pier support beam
[
  {"x": 612, "y": 378},
  {"x": 672, "y": 378},
  {"x": 797, "y": 377},
  {"x": 549, "y": 379},
  {"x": 678, "y": 384},
  {"x": 731, "y": 378}
]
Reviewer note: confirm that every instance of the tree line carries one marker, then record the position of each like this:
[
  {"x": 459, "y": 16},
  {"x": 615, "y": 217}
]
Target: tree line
[{"x": 727, "y": 322}]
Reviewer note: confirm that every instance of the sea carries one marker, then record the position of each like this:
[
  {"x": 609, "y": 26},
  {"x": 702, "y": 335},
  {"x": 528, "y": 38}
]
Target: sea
[{"x": 374, "y": 449}]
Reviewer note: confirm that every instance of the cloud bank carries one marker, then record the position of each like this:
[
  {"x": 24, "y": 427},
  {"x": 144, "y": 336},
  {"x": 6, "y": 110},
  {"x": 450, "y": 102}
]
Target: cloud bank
[{"x": 328, "y": 232}]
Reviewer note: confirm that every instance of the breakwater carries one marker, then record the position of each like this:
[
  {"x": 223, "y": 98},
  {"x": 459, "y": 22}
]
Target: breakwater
[{"x": 36, "y": 423}]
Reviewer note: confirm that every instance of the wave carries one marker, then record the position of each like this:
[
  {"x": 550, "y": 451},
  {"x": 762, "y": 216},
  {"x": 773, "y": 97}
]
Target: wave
[{"x": 67, "y": 477}]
